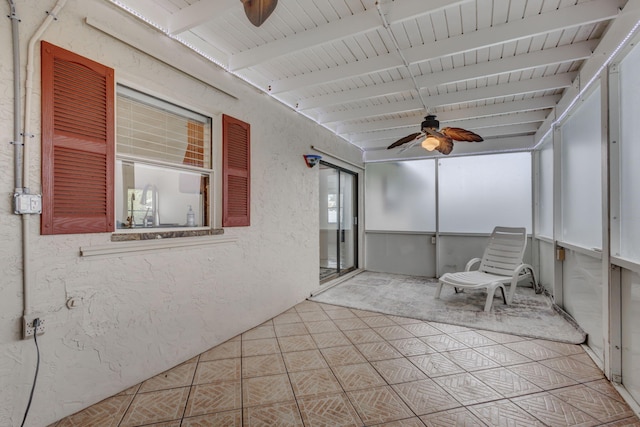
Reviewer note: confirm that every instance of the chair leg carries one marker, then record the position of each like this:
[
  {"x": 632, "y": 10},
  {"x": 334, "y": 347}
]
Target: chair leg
[
  {"x": 487, "y": 304},
  {"x": 491, "y": 292},
  {"x": 438, "y": 290},
  {"x": 503, "y": 297}
]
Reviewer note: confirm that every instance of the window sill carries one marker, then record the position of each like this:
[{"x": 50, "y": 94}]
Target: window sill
[
  {"x": 151, "y": 234},
  {"x": 123, "y": 243}
]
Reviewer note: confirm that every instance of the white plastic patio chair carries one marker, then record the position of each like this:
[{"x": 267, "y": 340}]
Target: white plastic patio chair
[{"x": 501, "y": 264}]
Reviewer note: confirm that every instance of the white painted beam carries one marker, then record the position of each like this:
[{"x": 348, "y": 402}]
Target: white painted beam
[
  {"x": 380, "y": 125},
  {"x": 479, "y": 125},
  {"x": 353, "y": 69},
  {"x": 583, "y": 13},
  {"x": 557, "y": 81},
  {"x": 336, "y": 30},
  {"x": 542, "y": 58},
  {"x": 517, "y": 129},
  {"x": 539, "y": 103},
  {"x": 198, "y": 13},
  {"x": 357, "y": 94},
  {"x": 203, "y": 48},
  {"x": 376, "y": 110},
  {"x": 511, "y": 64},
  {"x": 566, "y": 17},
  {"x": 543, "y": 102},
  {"x": 349, "y": 26},
  {"x": 147, "y": 10},
  {"x": 399, "y": 11},
  {"x": 384, "y": 136},
  {"x": 618, "y": 30},
  {"x": 171, "y": 52},
  {"x": 508, "y": 89}
]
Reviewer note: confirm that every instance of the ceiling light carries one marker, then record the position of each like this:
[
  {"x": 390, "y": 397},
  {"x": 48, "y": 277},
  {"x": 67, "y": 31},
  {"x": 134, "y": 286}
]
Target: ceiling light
[{"x": 430, "y": 143}]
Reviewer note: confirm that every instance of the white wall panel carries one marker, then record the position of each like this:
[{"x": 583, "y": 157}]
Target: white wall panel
[
  {"x": 546, "y": 266},
  {"x": 400, "y": 253},
  {"x": 631, "y": 333},
  {"x": 582, "y": 296}
]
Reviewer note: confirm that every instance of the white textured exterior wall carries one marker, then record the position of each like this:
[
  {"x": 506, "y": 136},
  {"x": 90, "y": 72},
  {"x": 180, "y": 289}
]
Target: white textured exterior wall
[{"x": 143, "y": 313}]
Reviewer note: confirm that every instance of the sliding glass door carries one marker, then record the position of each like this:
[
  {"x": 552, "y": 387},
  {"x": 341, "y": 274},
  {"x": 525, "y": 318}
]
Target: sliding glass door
[{"x": 338, "y": 221}]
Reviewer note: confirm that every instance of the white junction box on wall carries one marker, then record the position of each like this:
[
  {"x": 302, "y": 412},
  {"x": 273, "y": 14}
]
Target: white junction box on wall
[{"x": 27, "y": 203}]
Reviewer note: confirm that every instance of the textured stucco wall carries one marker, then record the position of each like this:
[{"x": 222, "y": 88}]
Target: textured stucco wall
[{"x": 143, "y": 313}]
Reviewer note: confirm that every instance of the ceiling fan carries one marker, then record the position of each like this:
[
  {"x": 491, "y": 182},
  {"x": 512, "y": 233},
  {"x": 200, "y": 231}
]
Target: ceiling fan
[
  {"x": 258, "y": 10},
  {"x": 433, "y": 139}
]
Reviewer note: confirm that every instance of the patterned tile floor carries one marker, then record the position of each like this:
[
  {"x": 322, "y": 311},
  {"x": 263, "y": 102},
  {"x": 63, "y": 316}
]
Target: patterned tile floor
[{"x": 323, "y": 365}]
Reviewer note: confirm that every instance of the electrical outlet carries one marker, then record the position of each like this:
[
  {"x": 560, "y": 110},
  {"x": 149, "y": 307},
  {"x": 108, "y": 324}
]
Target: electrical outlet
[{"x": 27, "y": 325}]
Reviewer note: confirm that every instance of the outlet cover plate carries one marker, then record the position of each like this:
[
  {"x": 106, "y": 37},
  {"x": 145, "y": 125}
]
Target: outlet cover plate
[{"x": 27, "y": 325}]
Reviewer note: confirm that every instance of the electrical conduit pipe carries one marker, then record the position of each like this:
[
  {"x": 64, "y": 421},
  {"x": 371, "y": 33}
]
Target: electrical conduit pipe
[{"x": 21, "y": 151}]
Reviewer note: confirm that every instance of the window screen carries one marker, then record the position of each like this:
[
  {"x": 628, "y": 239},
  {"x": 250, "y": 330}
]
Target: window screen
[
  {"x": 400, "y": 196},
  {"x": 477, "y": 193},
  {"x": 581, "y": 175},
  {"x": 629, "y": 157}
]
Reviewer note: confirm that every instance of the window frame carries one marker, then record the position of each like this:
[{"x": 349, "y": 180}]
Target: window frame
[{"x": 175, "y": 107}]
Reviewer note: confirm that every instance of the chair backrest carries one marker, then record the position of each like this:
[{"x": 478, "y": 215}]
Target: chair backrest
[{"x": 505, "y": 250}]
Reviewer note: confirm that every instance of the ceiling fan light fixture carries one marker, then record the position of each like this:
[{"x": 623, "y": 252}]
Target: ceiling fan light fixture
[
  {"x": 431, "y": 122},
  {"x": 430, "y": 143},
  {"x": 433, "y": 138}
]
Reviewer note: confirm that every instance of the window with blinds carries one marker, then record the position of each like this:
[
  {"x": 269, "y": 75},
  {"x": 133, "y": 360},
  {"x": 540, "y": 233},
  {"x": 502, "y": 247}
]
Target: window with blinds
[
  {"x": 163, "y": 166},
  {"x": 153, "y": 129}
]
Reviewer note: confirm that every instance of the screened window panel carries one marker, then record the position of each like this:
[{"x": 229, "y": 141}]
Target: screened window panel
[
  {"x": 477, "y": 193},
  {"x": 630, "y": 157},
  {"x": 400, "y": 196},
  {"x": 581, "y": 175},
  {"x": 544, "y": 227}
]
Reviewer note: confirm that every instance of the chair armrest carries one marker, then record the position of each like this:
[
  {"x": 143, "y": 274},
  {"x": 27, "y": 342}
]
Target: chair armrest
[
  {"x": 471, "y": 263},
  {"x": 520, "y": 269}
]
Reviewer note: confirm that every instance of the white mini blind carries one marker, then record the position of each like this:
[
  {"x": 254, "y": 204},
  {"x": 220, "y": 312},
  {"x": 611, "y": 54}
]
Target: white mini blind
[{"x": 153, "y": 129}]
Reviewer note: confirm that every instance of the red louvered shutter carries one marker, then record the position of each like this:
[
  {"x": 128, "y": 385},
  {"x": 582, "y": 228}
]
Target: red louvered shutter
[
  {"x": 236, "y": 177},
  {"x": 77, "y": 143}
]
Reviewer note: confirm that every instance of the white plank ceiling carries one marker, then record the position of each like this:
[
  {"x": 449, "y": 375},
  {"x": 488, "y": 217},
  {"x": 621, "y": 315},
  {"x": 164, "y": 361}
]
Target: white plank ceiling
[{"x": 370, "y": 71}]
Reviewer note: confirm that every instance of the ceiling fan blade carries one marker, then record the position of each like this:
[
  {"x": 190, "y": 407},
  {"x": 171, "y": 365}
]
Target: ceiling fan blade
[
  {"x": 258, "y": 10},
  {"x": 446, "y": 146},
  {"x": 404, "y": 140},
  {"x": 460, "y": 134}
]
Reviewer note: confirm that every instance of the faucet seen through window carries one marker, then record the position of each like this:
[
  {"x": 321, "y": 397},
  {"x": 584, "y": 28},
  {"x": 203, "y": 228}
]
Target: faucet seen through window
[{"x": 163, "y": 163}]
